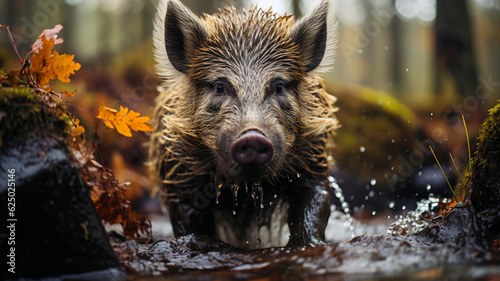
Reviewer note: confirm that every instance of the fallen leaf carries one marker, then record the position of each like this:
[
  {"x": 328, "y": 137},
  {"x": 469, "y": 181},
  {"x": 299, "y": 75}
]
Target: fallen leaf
[
  {"x": 123, "y": 121},
  {"x": 68, "y": 94},
  {"x": 50, "y": 101},
  {"x": 76, "y": 129},
  {"x": 13, "y": 77},
  {"x": 48, "y": 33},
  {"x": 46, "y": 66}
]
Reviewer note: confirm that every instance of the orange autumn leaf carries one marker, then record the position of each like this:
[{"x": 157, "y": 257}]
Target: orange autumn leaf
[
  {"x": 124, "y": 120},
  {"x": 68, "y": 94},
  {"x": 77, "y": 130},
  {"x": 47, "y": 66}
]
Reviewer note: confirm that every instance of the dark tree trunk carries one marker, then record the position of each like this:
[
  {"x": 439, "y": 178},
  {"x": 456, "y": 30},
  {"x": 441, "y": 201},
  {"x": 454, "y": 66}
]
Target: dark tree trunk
[{"x": 454, "y": 46}]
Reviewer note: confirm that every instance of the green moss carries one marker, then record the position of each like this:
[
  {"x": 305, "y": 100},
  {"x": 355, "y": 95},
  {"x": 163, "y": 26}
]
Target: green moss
[
  {"x": 24, "y": 113},
  {"x": 484, "y": 177}
]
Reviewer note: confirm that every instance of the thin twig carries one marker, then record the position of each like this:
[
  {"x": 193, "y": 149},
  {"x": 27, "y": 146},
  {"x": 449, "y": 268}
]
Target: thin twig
[{"x": 13, "y": 44}]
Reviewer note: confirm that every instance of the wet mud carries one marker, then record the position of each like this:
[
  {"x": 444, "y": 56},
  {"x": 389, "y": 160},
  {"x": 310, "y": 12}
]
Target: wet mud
[{"x": 447, "y": 247}]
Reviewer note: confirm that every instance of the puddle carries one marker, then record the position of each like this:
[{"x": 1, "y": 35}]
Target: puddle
[{"x": 415, "y": 246}]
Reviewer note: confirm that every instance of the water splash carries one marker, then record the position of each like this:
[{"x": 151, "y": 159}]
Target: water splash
[
  {"x": 345, "y": 206},
  {"x": 234, "y": 189},
  {"x": 258, "y": 199},
  {"x": 219, "y": 186},
  {"x": 415, "y": 221}
]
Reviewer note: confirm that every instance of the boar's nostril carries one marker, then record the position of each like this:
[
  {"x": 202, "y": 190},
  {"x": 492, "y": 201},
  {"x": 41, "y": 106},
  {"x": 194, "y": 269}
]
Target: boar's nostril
[{"x": 252, "y": 148}]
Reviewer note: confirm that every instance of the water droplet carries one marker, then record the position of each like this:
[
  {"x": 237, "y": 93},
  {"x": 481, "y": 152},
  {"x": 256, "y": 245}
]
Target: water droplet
[
  {"x": 345, "y": 206},
  {"x": 419, "y": 173},
  {"x": 373, "y": 182},
  {"x": 360, "y": 51},
  {"x": 392, "y": 140},
  {"x": 331, "y": 179},
  {"x": 218, "y": 193},
  {"x": 371, "y": 193},
  {"x": 428, "y": 187},
  {"x": 298, "y": 175},
  {"x": 374, "y": 213},
  {"x": 234, "y": 189},
  {"x": 391, "y": 204},
  {"x": 275, "y": 195},
  {"x": 432, "y": 113},
  {"x": 362, "y": 149},
  {"x": 404, "y": 207},
  {"x": 407, "y": 69},
  {"x": 386, "y": 47},
  {"x": 408, "y": 121}
]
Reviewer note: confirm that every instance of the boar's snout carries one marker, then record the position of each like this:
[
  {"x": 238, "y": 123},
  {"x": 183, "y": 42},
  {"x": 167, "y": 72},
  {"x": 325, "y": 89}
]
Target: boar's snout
[{"x": 252, "y": 148}]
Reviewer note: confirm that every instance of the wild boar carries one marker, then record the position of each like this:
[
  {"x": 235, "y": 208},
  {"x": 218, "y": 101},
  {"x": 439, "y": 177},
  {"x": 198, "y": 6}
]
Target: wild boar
[{"x": 243, "y": 127}]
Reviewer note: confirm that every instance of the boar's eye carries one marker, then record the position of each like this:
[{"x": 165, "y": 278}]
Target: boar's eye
[
  {"x": 222, "y": 87},
  {"x": 278, "y": 87}
]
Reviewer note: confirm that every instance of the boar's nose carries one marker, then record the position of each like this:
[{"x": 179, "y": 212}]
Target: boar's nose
[{"x": 252, "y": 148}]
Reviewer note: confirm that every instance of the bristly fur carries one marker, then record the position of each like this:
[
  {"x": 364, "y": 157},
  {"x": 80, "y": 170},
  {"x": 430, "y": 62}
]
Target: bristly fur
[
  {"x": 168, "y": 73},
  {"x": 247, "y": 45}
]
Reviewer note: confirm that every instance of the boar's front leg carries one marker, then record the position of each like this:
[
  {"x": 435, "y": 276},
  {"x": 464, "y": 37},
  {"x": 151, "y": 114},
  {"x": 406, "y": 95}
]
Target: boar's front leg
[
  {"x": 309, "y": 212},
  {"x": 186, "y": 218}
]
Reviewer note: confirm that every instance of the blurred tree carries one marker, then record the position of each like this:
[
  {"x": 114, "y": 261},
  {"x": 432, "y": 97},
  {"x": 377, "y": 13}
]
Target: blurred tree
[
  {"x": 454, "y": 47},
  {"x": 296, "y": 8}
]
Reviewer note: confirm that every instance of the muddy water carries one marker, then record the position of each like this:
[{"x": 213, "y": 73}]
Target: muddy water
[{"x": 418, "y": 245}]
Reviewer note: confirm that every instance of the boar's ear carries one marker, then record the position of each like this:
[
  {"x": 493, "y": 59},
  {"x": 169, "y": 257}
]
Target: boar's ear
[
  {"x": 316, "y": 36},
  {"x": 176, "y": 33}
]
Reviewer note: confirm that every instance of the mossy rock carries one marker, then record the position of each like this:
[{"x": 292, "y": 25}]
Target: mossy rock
[
  {"x": 57, "y": 230},
  {"x": 484, "y": 177},
  {"x": 23, "y": 114}
]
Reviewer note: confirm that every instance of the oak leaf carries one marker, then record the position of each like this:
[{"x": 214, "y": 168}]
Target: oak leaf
[
  {"x": 124, "y": 120},
  {"x": 46, "y": 66},
  {"x": 48, "y": 33}
]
